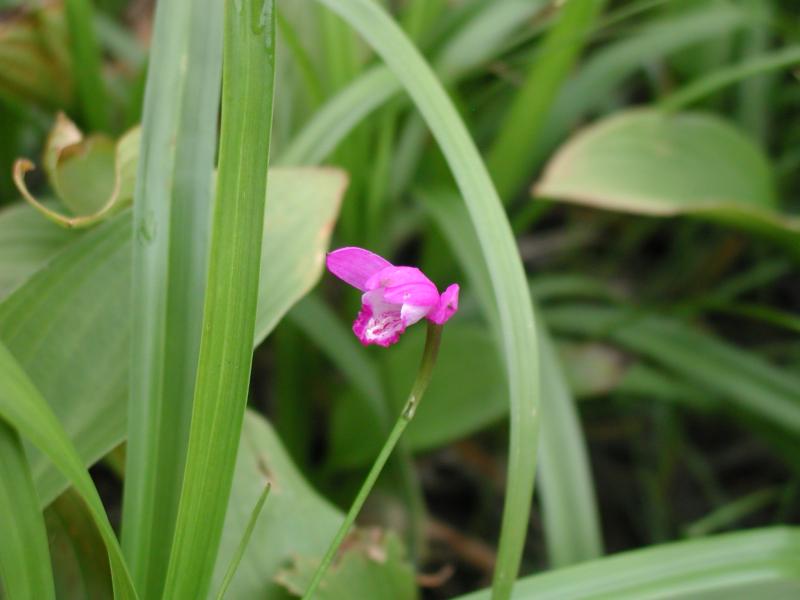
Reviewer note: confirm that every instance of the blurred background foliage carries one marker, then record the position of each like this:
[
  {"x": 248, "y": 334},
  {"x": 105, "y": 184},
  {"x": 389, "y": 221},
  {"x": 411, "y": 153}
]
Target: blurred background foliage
[{"x": 647, "y": 152}]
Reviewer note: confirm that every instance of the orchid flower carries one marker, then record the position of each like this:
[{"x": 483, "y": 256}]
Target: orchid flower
[{"x": 393, "y": 298}]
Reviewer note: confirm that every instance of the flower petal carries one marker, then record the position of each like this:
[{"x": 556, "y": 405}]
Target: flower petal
[
  {"x": 411, "y": 313},
  {"x": 447, "y": 306},
  {"x": 405, "y": 285},
  {"x": 379, "y": 322},
  {"x": 355, "y": 265}
]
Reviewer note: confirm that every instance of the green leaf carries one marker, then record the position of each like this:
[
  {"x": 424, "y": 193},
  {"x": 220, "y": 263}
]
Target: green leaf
[
  {"x": 498, "y": 249},
  {"x": 593, "y": 86},
  {"x": 23, "y": 407},
  {"x": 510, "y": 155},
  {"x": 93, "y": 177},
  {"x": 87, "y": 63},
  {"x": 370, "y": 565},
  {"x": 654, "y": 163},
  {"x": 24, "y": 557},
  {"x": 35, "y": 59},
  {"x": 229, "y": 315},
  {"x": 737, "y": 565},
  {"x": 570, "y": 508},
  {"x": 80, "y": 563},
  {"x": 744, "y": 378},
  {"x": 81, "y": 300},
  {"x": 478, "y": 41},
  {"x": 171, "y": 223},
  {"x": 293, "y": 507},
  {"x": 26, "y": 243}
]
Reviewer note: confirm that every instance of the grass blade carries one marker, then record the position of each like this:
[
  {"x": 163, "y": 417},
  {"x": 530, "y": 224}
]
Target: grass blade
[
  {"x": 24, "y": 556},
  {"x": 569, "y": 504},
  {"x": 500, "y": 252},
  {"x": 171, "y": 223},
  {"x": 720, "y": 78},
  {"x": 509, "y": 158},
  {"x": 240, "y": 549},
  {"x": 229, "y": 316},
  {"x": 23, "y": 408},
  {"x": 87, "y": 64},
  {"x": 741, "y": 565}
]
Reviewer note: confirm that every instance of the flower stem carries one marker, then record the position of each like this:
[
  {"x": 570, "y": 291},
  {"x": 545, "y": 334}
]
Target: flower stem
[{"x": 420, "y": 385}]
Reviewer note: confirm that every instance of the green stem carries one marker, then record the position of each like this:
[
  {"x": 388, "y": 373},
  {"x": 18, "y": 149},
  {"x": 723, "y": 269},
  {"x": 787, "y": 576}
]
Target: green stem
[{"x": 429, "y": 355}]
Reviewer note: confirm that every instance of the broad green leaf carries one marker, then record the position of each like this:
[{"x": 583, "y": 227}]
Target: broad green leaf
[
  {"x": 229, "y": 313},
  {"x": 24, "y": 557},
  {"x": 81, "y": 300},
  {"x": 762, "y": 562},
  {"x": 654, "y": 163},
  {"x": 293, "y": 506},
  {"x": 27, "y": 242},
  {"x": 80, "y": 563},
  {"x": 498, "y": 251},
  {"x": 744, "y": 378},
  {"x": 371, "y": 565},
  {"x": 24, "y": 408}
]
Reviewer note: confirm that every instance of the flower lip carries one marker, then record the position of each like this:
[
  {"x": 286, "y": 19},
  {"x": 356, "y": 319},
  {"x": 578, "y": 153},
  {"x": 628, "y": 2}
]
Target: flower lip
[{"x": 394, "y": 297}]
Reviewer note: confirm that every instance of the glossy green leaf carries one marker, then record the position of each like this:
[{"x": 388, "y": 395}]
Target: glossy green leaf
[
  {"x": 737, "y": 565},
  {"x": 229, "y": 315},
  {"x": 24, "y": 408},
  {"x": 24, "y": 556},
  {"x": 80, "y": 300},
  {"x": 499, "y": 251}
]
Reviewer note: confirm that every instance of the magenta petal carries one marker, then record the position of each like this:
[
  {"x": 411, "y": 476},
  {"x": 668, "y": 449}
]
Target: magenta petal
[
  {"x": 447, "y": 306},
  {"x": 355, "y": 265},
  {"x": 378, "y": 322},
  {"x": 405, "y": 285}
]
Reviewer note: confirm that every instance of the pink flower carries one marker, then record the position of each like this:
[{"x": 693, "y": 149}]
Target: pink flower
[{"x": 394, "y": 297}]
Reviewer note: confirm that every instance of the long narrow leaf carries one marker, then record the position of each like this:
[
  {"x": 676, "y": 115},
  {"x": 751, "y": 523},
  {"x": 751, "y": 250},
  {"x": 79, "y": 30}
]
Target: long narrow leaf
[
  {"x": 500, "y": 252},
  {"x": 763, "y": 562},
  {"x": 509, "y": 158},
  {"x": 23, "y": 408},
  {"x": 229, "y": 316},
  {"x": 24, "y": 557},
  {"x": 569, "y": 504},
  {"x": 87, "y": 63},
  {"x": 171, "y": 223}
]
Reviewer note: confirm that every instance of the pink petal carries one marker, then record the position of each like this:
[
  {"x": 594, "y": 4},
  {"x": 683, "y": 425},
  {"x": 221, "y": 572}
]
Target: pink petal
[
  {"x": 404, "y": 285},
  {"x": 447, "y": 306},
  {"x": 378, "y": 322},
  {"x": 355, "y": 265}
]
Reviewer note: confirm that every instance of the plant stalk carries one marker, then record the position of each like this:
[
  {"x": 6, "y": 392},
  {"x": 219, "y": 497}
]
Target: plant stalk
[{"x": 429, "y": 355}]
